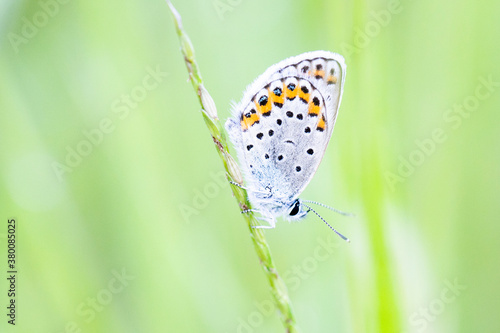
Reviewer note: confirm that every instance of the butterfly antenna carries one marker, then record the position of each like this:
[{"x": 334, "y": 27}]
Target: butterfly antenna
[
  {"x": 322, "y": 219},
  {"x": 330, "y": 208}
]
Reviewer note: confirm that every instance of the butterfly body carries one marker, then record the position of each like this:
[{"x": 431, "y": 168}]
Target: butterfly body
[{"x": 282, "y": 127}]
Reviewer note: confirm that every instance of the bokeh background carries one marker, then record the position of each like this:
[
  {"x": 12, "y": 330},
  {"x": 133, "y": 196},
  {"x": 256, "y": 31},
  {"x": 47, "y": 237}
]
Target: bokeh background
[{"x": 125, "y": 222}]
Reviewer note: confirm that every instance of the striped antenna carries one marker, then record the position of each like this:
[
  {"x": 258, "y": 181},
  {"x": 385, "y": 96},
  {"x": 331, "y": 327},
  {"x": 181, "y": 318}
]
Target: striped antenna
[
  {"x": 322, "y": 219},
  {"x": 330, "y": 208}
]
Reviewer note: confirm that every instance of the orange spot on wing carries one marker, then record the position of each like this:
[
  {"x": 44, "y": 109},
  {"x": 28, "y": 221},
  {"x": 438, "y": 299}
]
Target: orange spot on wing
[
  {"x": 263, "y": 108},
  {"x": 331, "y": 79},
  {"x": 246, "y": 122},
  {"x": 319, "y": 73},
  {"x": 304, "y": 96},
  {"x": 291, "y": 94},
  {"x": 275, "y": 98},
  {"x": 321, "y": 124},
  {"x": 314, "y": 109}
]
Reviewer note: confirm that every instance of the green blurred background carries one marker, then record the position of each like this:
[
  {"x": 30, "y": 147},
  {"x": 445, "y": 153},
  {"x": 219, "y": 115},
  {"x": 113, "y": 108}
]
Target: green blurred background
[{"x": 125, "y": 222}]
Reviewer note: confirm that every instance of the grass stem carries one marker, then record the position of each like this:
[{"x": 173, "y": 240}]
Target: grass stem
[{"x": 209, "y": 112}]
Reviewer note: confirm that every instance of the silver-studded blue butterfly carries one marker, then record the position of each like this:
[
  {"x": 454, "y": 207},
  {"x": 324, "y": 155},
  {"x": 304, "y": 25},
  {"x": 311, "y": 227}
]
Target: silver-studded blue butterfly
[{"x": 281, "y": 129}]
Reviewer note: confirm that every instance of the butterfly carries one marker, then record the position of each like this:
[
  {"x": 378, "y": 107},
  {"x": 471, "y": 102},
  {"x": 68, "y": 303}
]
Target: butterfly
[{"x": 281, "y": 128}]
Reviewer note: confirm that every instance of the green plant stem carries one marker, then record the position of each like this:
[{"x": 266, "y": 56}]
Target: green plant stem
[{"x": 277, "y": 286}]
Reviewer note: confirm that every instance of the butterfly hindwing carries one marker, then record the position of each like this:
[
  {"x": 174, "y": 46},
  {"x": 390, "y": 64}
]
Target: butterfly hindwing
[{"x": 284, "y": 123}]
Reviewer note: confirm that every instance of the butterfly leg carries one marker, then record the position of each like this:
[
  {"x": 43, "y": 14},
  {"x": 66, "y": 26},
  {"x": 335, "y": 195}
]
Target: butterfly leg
[
  {"x": 250, "y": 211},
  {"x": 237, "y": 185},
  {"x": 266, "y": 193},
  {"x": 270, "y": 220}
]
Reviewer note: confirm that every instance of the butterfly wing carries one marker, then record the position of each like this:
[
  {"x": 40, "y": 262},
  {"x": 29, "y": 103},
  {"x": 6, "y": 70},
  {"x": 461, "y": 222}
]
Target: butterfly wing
[{"x": 283, "y": 124}]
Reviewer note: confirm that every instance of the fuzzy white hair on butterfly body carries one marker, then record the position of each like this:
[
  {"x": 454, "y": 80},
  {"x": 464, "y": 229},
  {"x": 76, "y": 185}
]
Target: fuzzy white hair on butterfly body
[{"x": 281, "y": 128}]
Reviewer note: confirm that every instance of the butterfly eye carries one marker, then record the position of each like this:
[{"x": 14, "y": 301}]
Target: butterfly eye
[{"x": 295, "y": 210}]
